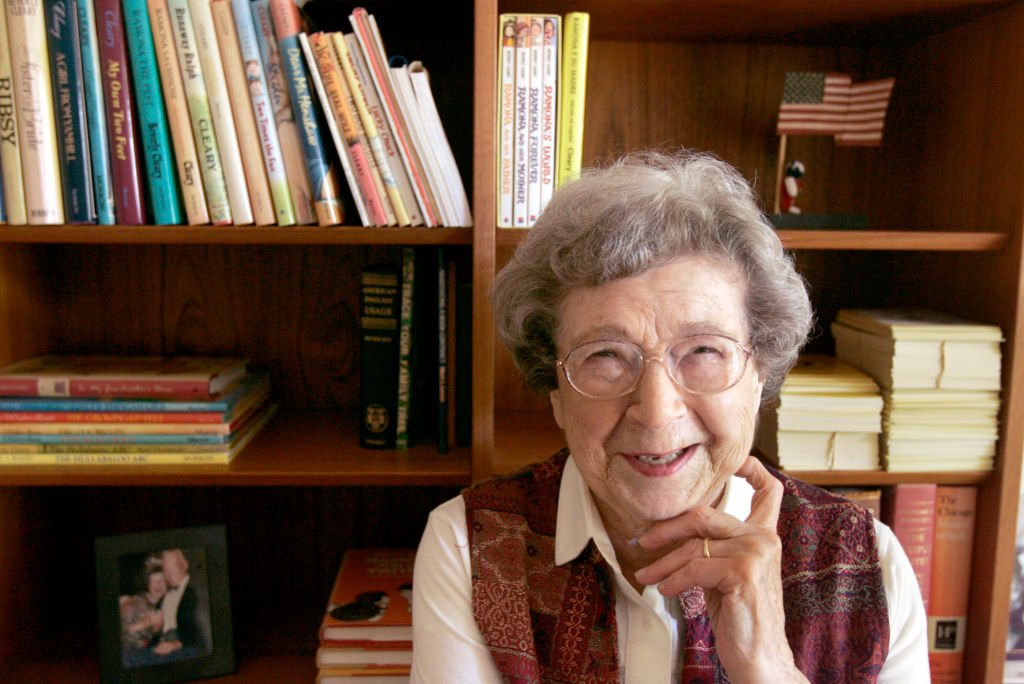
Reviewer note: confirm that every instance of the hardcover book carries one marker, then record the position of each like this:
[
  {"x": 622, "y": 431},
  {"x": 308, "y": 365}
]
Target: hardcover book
[
  {"x": 96, "y": 115},
  {"x": 13, "y": 183},
  {"x": 37, "y": 128},
  {"x": 122, "y": 126},
  {"x": 380, "y": 311},
  {"x": 371, "y": 599},
  {"x": 120, "y": 376},
  {"x": 161, "y": 179},
  {"x": 909, "y": 509},
  {"x": 178, "y": 119},
  {"x": 69, "y": 106}
]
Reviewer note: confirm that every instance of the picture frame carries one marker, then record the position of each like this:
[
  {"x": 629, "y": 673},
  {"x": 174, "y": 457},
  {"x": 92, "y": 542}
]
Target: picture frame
[{"x": 164, "y": 605}]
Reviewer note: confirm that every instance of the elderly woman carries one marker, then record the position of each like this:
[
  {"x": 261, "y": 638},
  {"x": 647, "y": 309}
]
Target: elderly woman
[{"x": 657, "y": 309}]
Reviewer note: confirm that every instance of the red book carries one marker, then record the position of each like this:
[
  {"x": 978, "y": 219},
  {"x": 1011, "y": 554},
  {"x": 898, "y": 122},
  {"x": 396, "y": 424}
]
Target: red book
[
  {"x": 126, "y": 163},
  {"x": 372, "y": 597},
  {"x": 120, "y": 376},
  {"x": 909, "y": 509},
  {"x": 955, "y": 510}
]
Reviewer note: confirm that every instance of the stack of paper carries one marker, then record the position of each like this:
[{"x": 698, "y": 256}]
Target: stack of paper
[
  {"x": 940, "y": 376},
  {"x": 828, "y": 416}
]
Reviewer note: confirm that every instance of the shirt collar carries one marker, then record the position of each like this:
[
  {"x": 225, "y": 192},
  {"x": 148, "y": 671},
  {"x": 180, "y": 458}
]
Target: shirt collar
[{"x": 579, "y": 521}]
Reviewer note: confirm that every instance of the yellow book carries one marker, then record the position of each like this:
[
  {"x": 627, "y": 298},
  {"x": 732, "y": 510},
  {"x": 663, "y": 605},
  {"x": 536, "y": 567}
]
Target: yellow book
[
  {"x": 37, "y": 126},
  {"x": 10, "y": 156},
  {"x": 573, "y": 95}
]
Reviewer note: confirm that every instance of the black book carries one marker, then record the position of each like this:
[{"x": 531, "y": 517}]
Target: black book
[{"x": 380, "y": 311}]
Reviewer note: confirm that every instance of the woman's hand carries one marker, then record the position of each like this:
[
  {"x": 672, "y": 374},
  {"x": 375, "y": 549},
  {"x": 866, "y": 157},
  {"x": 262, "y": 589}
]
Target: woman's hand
[{"x": 742, "y": 580}]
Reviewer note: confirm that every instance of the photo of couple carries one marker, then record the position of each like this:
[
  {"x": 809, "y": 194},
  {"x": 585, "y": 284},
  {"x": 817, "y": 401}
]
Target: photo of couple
[{"x": 164, "y": 607}]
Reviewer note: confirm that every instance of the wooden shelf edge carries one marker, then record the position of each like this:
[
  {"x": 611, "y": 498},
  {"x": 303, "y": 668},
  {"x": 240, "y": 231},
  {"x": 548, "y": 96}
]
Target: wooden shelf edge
[
  {"x": 882, "y": 478},
  {"x": 238, "y": 235},
  {"x": 881, "y": 240}
]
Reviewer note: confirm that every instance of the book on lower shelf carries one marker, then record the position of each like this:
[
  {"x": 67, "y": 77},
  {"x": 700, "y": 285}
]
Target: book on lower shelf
[
  {"x": 909, "y": 509},
  {"x": 366, "y": 630}
]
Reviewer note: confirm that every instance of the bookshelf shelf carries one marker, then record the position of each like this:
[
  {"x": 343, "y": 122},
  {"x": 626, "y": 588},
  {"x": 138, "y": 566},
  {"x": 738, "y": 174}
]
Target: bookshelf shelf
[
  {"x": 234, "y": 235},
  {"x": 311, "y": 449}
]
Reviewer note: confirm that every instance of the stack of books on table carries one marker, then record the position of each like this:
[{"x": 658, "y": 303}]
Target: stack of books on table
[
  {"x": 366, "y": 631},
  {"x": 129, "y": 410},
  {"x": 828, "y": 416},
  {"x": 940, "y": 379}
]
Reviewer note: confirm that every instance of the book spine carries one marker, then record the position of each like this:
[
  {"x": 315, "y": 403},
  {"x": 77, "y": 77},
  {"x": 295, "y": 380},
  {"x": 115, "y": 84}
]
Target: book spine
[
  {"x": 549, "y": 106},
  {"x": 108, "y": 417},
  {"x": 129, "y": 195},
  {"x": 69, "y": 109},
  {"x": 373, "y": 53},
  {"x": 533, "y": 118},
  {"x": 284, "y": 114},
  {"x": 321, "y": 172},
  {"x": 180, "y": 123},
  {"x": 96, "y": 115},
  {"x": 381, "y": 149},
  {"x": 324, "y": 73},
  {"x": 107, "y": 459},
  {"x": 217, "y": 428},
  {"x": 220, "y": 111},
  {"x": 442, "y": 352},
  {"x": 241, "y": 109},
  {"x": 40, "y": 163},
  {"x": 103, "y": 387},
  {"x": 573, "y": 95},
  {"x": 63, "y": 442},
  {"x": 405, "y": 333},
  {"x": 910, "y": 512},
  {"x": 263, "y": 111},
  {"x": 380, "y": 307},
  {"x": 521, "y": 120},
  {"x": 506, "y": 116},
  {"x": 955, "y": 511},
  {"x": 210, "y": 166},
  {"x": 10, "y": 156},
  {"x": 161, "y": 179}
]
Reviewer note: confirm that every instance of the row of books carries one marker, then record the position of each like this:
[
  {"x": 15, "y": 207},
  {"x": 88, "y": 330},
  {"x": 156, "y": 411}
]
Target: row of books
[
  {"x": 908, "y": 390},
  {"x": 366, "y": 631},
  {"x": 213, "y": 111},
  {"x": 104, "y": 410},
  {"x": 542, "y": 83}
]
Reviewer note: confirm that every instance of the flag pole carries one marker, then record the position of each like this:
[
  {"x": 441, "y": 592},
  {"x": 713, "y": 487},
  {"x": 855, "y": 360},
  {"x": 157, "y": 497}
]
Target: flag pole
[{"x": 779, "y": 167}]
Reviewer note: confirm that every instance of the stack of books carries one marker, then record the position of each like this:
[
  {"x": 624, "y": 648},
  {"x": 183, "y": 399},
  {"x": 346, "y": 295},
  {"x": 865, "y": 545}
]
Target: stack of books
[
  {"x": 542, "y": 83},
  {"x": 940, "y": 379},
  {"x": 828, "y": 416},
  {"x": 113, "y": 410},
  {"x": 231, "y": 96},
  {"x": 366, "y": 632}
]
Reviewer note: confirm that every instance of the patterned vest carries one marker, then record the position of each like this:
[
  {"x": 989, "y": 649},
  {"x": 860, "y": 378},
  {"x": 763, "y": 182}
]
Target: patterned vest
[{"x": 549, "y": 623}]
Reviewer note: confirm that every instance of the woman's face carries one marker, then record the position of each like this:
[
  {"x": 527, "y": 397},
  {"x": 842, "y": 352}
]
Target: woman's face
[
  {"x": 157, "y": 584},
  {"x": 706, "y": 437}
]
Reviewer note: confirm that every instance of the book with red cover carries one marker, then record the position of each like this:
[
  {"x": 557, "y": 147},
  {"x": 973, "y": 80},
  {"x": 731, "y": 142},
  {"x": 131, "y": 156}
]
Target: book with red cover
[
  {"x": 909, "y": 509},
  {"x": 120, "y": 376},
  {"x": 955, "y": 510},
  {"x": 372, "y": 597},
  {"x": 129, "y": 194}
]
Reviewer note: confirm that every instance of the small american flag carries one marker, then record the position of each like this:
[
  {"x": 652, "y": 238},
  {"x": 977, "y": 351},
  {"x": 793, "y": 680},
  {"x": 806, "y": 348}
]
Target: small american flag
[
  {"x": 818, "y": 103},
  {"x": 813, "y": 103}
]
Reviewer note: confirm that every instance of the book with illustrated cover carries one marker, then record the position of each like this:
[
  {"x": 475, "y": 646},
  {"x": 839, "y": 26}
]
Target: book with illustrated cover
[
  {"x": 120, "y": 376},
  {"x": 37, "y": 127},
  {"x": 348, "y": 139},
  {"x": 162, "y": 180},
  {"x": 211, "y": 168},
  {"x": 62, "y": 41},
  {"x": 283, "y": 112},
  {"x": 263, "y": 110},
  {"x": 573, "y": 95},
  {"x": 179, "y": 121},
  {"x": 13, "y": 182},
  {"x": 321, "y": 169},
  {"x": 371, "y": 599},
  {"x": 96, "y": 115},
  {"x": 248, "y": 136},
  {"x": 220, "y": 111}
]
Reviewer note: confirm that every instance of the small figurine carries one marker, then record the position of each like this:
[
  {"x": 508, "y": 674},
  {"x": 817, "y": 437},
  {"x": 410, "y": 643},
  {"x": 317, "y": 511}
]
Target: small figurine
[{"x": 791, "y": 185}]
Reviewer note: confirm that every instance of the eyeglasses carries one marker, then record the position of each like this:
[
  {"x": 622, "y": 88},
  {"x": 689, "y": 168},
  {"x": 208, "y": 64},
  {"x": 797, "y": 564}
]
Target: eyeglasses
[{"x": 699, "y": 364}]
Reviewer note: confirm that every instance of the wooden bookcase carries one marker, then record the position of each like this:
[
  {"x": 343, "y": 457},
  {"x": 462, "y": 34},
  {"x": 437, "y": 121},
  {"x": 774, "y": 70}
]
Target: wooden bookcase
[{"x": 945, "y": 197}]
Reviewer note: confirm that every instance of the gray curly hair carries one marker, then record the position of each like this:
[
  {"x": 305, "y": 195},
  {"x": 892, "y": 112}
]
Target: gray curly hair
[{"x": 640, "y": 212}]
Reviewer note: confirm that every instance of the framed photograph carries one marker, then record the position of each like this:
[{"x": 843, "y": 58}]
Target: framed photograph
[{"x": 164, "y": 605}]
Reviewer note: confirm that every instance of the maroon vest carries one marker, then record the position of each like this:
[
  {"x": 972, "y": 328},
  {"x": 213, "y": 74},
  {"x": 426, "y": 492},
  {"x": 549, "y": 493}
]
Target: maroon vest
[{"x": 549, "y": 623}]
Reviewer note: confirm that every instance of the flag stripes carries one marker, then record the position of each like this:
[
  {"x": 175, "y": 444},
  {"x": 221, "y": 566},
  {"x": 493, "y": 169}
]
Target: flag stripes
[{"x": 818, "y": 103}]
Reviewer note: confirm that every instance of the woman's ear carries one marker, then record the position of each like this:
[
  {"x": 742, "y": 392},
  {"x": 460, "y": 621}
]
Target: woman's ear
[{"x": 556, "y": 405}]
